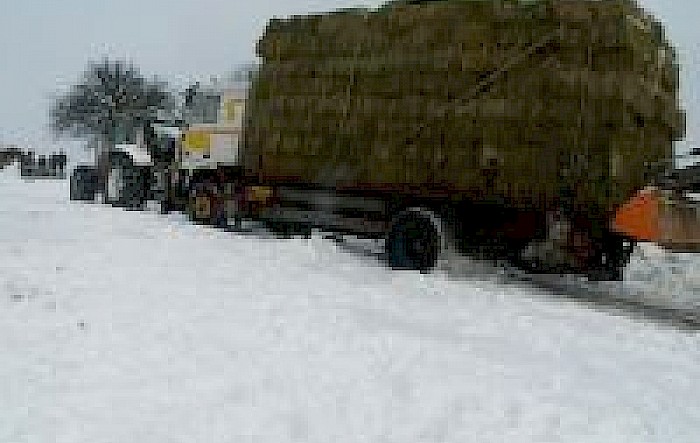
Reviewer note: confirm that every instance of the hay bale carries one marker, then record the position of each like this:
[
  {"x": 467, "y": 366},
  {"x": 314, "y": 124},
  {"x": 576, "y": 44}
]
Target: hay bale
[{"x": 399, "y": 91}]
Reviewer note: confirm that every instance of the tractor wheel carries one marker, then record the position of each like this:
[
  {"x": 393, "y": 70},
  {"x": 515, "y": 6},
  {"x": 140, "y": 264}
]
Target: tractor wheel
[
  {"x": 83, "y": 183},
  {"x": 126, "y": 185}
]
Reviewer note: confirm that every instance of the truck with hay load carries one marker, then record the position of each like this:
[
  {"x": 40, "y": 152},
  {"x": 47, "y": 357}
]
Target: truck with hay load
[
  {"x": 507, "y": 128},
  {"x": 500, "y": 128}
]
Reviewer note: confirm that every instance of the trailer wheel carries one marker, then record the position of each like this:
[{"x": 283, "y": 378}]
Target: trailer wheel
[
  {"x": 83, "y": 183},
  {"x": 126, "y": 184},
  {"x": 611, "y": 258},
  {"x": 415, "y": 241}
]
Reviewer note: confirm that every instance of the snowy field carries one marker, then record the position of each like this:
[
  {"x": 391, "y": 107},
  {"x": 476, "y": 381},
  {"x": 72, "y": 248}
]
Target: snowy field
[{"x": 120, "y": 326}]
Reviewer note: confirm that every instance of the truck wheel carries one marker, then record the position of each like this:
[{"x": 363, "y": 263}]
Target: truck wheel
[
  {"x": 233, "y": 214},
  {"x": 415, "y": 241},
  {"x": 126, "y": 184},
  {"x": 83, "y": 183},
  {"x": 199, "y": 207},
  {"x": 611, "y": 259}
]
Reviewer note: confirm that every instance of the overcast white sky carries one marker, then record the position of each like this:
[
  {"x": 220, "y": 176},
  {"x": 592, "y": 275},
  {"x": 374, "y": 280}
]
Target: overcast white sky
[{"x": 45, "y": 45}]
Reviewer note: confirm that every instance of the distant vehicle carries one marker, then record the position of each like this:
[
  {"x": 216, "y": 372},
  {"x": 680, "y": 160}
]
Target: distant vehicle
[
  {"x": 9, "y": 155},
  {"x": 127, "y": 173},
  {"x": 42, "y": 166}
]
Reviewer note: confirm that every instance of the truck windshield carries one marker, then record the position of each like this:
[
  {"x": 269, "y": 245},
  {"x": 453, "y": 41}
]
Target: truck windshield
[{"x": 204, "y": 108}]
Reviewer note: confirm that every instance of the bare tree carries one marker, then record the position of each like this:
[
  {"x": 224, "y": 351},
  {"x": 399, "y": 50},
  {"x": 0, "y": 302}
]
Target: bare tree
[{"x": 111, "y": 101}]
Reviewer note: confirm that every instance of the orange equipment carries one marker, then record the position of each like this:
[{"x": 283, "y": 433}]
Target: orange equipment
[{"x": 652, "y": 215}]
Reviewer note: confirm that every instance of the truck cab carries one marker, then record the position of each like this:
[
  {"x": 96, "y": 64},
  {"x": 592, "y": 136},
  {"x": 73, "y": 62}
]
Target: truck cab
[
  {"x": 207, "y": 160},
  {"x": 214, "y": 131}
]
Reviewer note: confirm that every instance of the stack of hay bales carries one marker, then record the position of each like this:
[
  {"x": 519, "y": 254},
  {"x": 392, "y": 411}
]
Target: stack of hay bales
[{"x": 483, "y": 97}]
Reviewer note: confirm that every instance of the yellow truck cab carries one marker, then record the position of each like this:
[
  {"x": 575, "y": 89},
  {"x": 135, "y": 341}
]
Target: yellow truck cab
[
  {"x": 208, "y": 156},
  {"x": 215, "y": 123}
]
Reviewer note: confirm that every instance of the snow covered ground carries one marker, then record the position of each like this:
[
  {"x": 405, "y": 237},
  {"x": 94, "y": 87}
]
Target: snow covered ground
[{"x": 120, "y": 326}]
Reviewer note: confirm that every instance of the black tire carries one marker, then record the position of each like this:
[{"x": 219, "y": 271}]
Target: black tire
[
  {"x": 414, "y": 242},
  {"x": 199, "y": 204},
  {"x": 176, "y": 196},
  {"x": 611, "y": 259},
  {"x": 83, "y": 183},
  {"x": 126, "y": 185}
]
